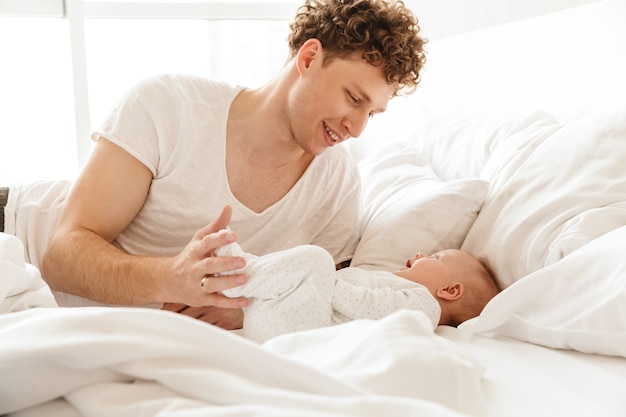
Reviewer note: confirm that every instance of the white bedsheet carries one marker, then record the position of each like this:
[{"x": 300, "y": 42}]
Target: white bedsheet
[
  {"x": 131, "y": 362},
  {"x": 142, "y": 362},
  {"x": 99, "y": 361},
  {"x": 524, "y": 379}
]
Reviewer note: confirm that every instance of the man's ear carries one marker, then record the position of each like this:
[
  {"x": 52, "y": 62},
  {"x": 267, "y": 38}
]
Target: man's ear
[
  {"x": 451, "y": 291},
  {"x": 309, "y": 51}
]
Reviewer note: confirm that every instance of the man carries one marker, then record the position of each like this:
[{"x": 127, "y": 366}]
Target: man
[{"x": 177, "y": 149}]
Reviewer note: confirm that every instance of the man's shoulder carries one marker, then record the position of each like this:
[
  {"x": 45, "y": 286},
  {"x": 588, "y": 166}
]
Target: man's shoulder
[
  {"x": 337, "y": 157},
  {"x": 186, "y": 85}
]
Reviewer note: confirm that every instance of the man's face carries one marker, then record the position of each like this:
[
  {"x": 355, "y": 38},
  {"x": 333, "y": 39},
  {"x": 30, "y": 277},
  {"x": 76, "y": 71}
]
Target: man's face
[{"x": 332, "y": 103}]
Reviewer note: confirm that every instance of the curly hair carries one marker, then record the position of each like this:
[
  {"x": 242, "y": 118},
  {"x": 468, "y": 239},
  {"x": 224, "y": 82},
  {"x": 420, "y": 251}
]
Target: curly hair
[{"x": 384, "y": 32}]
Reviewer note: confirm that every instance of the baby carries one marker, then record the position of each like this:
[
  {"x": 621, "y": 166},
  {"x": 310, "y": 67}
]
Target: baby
[{"x": 299, "y": 288}]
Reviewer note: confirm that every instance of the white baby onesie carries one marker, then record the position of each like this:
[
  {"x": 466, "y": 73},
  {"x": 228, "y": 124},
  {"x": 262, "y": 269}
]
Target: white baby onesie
[
  {"x": 288, "y": 290},
  {"x": 299, "y": 289}
]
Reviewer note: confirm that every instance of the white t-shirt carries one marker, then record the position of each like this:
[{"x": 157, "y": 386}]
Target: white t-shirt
[
  {"x": 176, "y": 126},
  {"x": 31, "y": 213}
]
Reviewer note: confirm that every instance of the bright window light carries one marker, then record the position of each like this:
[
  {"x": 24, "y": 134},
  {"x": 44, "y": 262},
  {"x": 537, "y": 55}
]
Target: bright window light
[
  {"x": 37, "y": 92},
  {"x": 36, "y": 100},
  {"x": 121, "y": 52}
]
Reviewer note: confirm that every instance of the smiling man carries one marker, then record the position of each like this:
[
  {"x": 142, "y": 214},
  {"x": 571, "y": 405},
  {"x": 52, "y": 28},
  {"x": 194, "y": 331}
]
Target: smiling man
[{"x": 141, "y": 222}]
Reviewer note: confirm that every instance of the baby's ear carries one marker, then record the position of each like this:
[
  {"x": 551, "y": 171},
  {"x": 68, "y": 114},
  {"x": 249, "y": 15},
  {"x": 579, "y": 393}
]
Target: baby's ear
[{"x": 452, "y": 291}]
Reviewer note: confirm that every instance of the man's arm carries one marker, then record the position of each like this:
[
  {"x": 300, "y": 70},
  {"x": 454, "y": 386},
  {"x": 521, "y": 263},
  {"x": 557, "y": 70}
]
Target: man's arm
[{"x": 81, "y": 259}]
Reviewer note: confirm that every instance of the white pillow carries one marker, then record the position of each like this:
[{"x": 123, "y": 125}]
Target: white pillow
[
  {"x": 541, "y": 181},
  {"x": 585, "y": 227},
  {"x": 577, "y": 303},
  {"x": 408, "y": 209},
  {"x": 459, "y": 146},
  {"x": 21, "y": 285}
]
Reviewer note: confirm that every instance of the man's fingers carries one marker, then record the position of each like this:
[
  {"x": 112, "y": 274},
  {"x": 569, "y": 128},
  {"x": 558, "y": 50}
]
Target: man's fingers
[
  {"x": 215, "y": 284},
  {"x": 225, "y": 265},
  {"x": 204, "y": 247},
  {"x": 226, "y": 318},
  {"x": 175, "y": 307},
  {"x": 222, "y": 221},
  {"x": 218, "y": 223}
]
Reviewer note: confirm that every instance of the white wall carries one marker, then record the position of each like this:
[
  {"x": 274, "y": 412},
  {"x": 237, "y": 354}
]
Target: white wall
[
  {"x": 570, "y": 63},
  {"x": 445, "y": 18}
]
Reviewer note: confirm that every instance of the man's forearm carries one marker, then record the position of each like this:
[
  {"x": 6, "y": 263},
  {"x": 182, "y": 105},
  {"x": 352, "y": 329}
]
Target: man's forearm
[
  {"x": 84, "y": 264},
  {"x": 80, "y": 262}
]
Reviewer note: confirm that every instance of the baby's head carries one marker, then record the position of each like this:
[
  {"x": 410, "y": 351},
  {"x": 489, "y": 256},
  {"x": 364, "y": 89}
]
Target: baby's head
[{"x": 460, "y": 283}]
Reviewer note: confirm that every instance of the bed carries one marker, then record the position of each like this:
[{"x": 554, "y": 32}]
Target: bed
[{"x": 538, "y": 194}]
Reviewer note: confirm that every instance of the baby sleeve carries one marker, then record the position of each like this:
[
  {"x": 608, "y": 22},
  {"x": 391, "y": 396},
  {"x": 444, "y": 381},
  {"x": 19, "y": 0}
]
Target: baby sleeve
[{"x": 361, "y": 294}]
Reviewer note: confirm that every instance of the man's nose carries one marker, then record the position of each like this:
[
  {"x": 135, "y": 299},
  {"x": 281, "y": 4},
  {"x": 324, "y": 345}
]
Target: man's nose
[{"x": 356, "y": 122}]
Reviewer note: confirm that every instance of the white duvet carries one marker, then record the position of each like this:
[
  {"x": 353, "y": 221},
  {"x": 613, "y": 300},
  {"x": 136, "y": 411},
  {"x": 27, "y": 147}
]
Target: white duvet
[
  {"x": 98, "y": 361},
  {"x": 120, "y": 362}
]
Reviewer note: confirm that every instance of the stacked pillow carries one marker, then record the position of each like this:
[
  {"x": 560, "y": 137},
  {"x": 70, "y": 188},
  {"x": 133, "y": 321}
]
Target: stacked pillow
[
  {"x": 542, "y": 202},
  {"x": 407, "y": 208}
]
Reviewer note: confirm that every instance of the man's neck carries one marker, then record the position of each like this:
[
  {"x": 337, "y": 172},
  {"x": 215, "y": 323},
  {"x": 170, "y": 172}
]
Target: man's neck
[{"x": 258, "y": 129}]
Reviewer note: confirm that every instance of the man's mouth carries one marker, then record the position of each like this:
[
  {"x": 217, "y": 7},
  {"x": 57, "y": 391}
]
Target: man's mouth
[{"x": 332, "y": 134}]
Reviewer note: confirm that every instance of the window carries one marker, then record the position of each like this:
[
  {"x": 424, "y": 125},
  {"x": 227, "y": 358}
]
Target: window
[
  {"x": 36, "y": 100},
  {"x": 104, "y": 47}
]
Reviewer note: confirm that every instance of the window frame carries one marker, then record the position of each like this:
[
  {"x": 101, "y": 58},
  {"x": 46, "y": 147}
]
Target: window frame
[{"x": 77, "y": 11}]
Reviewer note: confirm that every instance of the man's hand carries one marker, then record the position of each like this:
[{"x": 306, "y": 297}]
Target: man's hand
[
  {"x": 226, "y": 318},
  {"x": 197, "y": 278}
]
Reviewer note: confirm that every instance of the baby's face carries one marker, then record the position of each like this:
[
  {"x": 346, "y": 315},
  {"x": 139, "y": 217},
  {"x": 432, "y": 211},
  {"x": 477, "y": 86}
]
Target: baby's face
[{"x": 436, "y": 270}]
